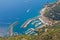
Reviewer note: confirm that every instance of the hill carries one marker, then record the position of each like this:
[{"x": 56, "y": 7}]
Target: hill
[
  {"x": 54, "y": 11},
  {"x": 46, "y": 33}
]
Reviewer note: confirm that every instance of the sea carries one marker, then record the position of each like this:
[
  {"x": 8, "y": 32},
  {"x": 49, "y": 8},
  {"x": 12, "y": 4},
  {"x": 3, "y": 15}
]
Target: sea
[{"x": 19, "y": 10}]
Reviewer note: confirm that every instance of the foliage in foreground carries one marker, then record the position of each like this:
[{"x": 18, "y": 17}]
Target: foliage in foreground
[
  {"x": 47, "y": 33},
  {"x": 52, "y": 33}
]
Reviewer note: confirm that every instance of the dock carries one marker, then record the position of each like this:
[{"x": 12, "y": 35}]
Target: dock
[
  {"x": 29, "y": 31},
  {"x": 26, "y": 23}
]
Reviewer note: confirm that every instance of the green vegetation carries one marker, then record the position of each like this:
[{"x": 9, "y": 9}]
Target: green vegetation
[
  {"x": 52, "y": 33},
  {"x": 46, "y": 33},
  {"x": 54, "y": 13}
]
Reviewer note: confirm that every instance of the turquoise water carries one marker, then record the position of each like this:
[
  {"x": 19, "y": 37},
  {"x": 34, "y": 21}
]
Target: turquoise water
[
  {"x": 21, "y": 30},
  {"x": 19, "y": 10}
]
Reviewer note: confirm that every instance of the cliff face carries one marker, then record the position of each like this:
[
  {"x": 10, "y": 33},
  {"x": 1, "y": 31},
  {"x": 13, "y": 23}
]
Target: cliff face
[{"x": 54, "y": 13}]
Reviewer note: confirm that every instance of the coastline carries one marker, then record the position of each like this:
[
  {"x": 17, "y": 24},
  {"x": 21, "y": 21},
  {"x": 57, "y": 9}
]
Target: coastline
[
  {"x": 42, "y": 18},
  {"x": 45, "y": 20}
]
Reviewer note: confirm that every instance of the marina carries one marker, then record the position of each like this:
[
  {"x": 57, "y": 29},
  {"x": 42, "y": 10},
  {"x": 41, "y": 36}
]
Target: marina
[
  {"x": 26, "y": 23},
  {"x": 36, "y": 22},
  {"x": 25, "y": 13},
  {"x": 29, "y": 31}
]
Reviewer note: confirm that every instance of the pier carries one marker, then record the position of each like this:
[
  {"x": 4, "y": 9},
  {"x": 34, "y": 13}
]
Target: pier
[
  {"x": 26, "y": 23},
  {"x": 11, "y": 28},
  {"x": 29, "y": 31}
]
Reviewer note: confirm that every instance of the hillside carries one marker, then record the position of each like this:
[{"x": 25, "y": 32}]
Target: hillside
[
  {"x": 46, "y": 33},
  {"x": 54, "y": 11}
]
